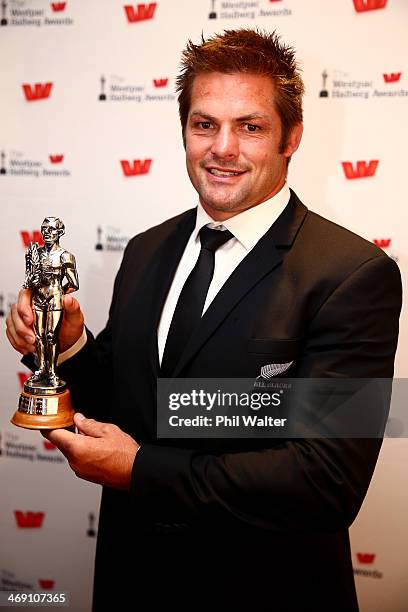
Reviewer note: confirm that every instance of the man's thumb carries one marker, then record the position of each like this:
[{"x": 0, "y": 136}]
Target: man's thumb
[
  {"x": 89, "y": 427},
  {"x": 71, "y": 306}
]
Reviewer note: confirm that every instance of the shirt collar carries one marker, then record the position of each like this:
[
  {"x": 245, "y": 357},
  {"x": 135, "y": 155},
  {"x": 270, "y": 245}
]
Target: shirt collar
[{"x": 250, "y": 225}]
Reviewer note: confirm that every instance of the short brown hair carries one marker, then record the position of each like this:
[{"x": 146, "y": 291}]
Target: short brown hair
[{"x": 246, "y": 50}]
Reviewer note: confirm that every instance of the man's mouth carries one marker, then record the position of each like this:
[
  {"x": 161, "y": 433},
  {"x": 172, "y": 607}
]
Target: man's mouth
[{"x": 219, "y": 172}]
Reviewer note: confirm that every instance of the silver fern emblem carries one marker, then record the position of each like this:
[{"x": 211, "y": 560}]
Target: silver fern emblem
[{"x": 273, "y": 369}]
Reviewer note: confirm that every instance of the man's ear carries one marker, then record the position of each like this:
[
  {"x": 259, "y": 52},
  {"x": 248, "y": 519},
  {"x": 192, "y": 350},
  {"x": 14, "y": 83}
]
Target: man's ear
[{"x": 294, "y": 139}]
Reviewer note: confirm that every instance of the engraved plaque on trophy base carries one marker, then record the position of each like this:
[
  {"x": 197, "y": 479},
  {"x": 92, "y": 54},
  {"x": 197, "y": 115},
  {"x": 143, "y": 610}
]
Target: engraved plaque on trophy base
[{"x": 44, "y": 408}]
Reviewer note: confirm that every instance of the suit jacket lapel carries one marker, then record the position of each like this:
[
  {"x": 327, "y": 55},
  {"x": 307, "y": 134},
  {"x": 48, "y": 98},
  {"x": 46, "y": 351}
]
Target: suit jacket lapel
[{"x": 260, "y": 261}]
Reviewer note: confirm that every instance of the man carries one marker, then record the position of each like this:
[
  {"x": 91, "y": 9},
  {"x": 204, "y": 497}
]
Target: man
[{"x": 240, "y": 522}]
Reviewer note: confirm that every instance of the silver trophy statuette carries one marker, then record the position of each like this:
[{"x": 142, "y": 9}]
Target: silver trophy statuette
[{"x": 50, "y": 274}]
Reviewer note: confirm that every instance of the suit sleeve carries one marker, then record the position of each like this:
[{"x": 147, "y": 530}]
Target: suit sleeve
[{"x": 306, "y": 484}]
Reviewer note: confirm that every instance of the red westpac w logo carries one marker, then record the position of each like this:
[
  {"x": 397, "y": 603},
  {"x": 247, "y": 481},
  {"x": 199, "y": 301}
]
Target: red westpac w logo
[
  {"x": 160, "y": 82},
  {"x": 29, "y": 520},
  {"x": 361, "y": 169},
  {"x": 38, "y": 91},
  {"x": 383, "y": 243},
  {"x": 34, "y": 236},
  {"x": 369, "y": 5},
  {"x": 392, "y": 77},
  {"x": 57, "y": 7},
  {"x": 56, "y": 159},
  {"x": 46, "y": 584},
  {"x": 141, "y": 12},
  {"x": 365, "y": 557},
  {"x": 136, "y": 167},
  {"x": 49, "y": 446}
]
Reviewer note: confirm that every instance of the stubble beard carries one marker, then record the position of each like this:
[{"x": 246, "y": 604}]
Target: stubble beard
[{"x": 235, "y": 199}]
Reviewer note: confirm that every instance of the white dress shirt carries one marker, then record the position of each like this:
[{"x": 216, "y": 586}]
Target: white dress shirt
[{"x": 247, "y": 229}]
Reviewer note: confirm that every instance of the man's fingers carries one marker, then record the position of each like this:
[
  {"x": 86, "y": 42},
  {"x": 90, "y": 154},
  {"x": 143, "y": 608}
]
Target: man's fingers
[
  {"x": 63, "y": 439},
  {"x": 90, "y": 427},
  {"x": 24, "y": 331},
  {"x": 24, "y": 306},
  {"x": 18, "y": 343},
  {"x": 15, "y": 346}
]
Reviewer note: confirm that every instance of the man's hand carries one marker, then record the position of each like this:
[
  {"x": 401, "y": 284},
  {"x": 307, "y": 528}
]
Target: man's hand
[
  {"x": 19, "y": 324},
  {"x": 104, "y": 454}
]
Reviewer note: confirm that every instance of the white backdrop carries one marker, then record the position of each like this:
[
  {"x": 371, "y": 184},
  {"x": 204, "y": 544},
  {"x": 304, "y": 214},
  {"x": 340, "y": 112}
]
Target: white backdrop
[{"x": 66, "y": 152}]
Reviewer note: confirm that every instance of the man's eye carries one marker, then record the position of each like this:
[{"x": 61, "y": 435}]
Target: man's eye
[
  {"x": 205, "y": 125},
  {"x": 251, "y": 127}
]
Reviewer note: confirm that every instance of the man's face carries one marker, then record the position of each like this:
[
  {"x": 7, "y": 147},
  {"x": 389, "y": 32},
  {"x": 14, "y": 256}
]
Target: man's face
[
  {"x": 49, "y": 233},
  {"x": 233, "y": 134}
]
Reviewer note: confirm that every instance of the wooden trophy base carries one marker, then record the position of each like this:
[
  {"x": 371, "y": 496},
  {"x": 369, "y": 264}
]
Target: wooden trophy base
[{"x": 38, "y": 411}]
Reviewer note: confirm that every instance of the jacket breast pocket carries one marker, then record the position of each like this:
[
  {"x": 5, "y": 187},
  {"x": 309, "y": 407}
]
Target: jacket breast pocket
[
  {"x": 287, "y": 350},
  {"x": 273, "y": 357}
]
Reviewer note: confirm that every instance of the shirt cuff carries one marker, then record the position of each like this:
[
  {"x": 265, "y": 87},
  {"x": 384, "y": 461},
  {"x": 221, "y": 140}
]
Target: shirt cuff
[{"x": 74, "y": 349}]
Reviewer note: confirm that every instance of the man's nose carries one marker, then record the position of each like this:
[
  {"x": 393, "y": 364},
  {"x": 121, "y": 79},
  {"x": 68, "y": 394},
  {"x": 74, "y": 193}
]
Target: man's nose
[{"x": 225, "y": 144}]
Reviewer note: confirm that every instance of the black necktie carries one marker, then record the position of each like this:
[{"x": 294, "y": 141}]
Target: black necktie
[{"x": 191, "y": 301}]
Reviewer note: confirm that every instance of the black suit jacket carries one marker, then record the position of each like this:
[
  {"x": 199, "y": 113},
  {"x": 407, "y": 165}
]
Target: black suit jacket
[{"x": 262, "y": 521}]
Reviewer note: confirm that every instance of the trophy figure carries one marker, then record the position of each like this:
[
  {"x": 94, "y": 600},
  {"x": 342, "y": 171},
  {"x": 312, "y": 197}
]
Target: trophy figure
[
  {"x": 2, "y": 167},
  {"x": 102, "y": 95},
  {"x": 50, "y": 273},
  {"x": 91, "y": 533},
  {"x": 213, "y": 14},
  {"x": 99, "y": 245},
  {"x": 324, "y": 93},
  {"x": 3, "y": 13}
]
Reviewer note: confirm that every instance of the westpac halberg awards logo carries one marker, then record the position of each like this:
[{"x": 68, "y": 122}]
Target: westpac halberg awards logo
[
  {"x": 17, "y": 163},
  {"x": 117, "y": 88},
  {"x": 365, "y": 565},
  {"x": 10, "y": 582},
  {"x": 29, "y": 13},
  {"x": 135, "y": 13},
  {"x": 15, "y": 447},
  {"x": 110, "y": 239},
  {"x": 248, "y": 9},
  {"x": 341, "y": 84},
  {"x": 362, "y": 6}
]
